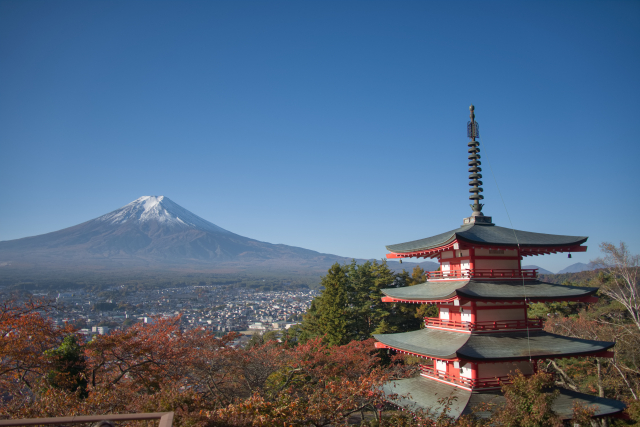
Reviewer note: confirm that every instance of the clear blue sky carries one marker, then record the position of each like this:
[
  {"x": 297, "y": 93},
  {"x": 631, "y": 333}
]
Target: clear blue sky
[{"x": 338, "y": 126}]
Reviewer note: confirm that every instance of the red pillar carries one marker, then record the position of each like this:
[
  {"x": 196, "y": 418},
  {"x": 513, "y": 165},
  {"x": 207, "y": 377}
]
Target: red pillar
[
  {"x": 472, "y": 307},
  {"x": 519, "y": 259}
]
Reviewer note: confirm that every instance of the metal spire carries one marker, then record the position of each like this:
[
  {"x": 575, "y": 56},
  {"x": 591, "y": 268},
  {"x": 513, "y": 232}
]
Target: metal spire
[{"x": 474, "y": 164}]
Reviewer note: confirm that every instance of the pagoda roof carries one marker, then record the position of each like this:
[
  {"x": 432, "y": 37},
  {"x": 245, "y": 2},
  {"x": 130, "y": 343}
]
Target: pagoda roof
[
  {"x": 495, "y": 346},
  {"x": 483, "y": 289},
  {"x": 426, "y": 394},
  {"x": 487, "y": 234}
]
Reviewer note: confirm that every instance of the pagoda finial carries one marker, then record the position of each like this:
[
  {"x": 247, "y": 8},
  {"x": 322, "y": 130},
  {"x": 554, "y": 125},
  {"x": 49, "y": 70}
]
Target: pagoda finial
[
  {"x": 473, "y": 132},
  {"x": 474, "y": 164}
]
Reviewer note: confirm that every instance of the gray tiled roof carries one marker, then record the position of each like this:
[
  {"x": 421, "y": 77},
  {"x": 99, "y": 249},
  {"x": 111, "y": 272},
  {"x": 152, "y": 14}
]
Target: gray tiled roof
[
  {"x": 420, "y": 392},
  {"x": 488, "y": 234},
  {"x": 493, "y": 346},
  {"x": 508, "y": 289},
  {"x": 487, "y": 289},
  {"x": 441, "y": 344},
  {"x": 516, "y": 345},
  {"x": 427, "y": 291}
]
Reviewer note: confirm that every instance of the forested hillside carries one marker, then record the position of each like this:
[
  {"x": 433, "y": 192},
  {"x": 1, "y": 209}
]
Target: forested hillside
[{"x": 580, "y": 277}]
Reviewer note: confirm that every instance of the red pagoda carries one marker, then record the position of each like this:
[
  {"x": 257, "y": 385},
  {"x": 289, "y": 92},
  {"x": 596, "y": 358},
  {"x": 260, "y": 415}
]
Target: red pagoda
[{"x": 482, "y": 332}]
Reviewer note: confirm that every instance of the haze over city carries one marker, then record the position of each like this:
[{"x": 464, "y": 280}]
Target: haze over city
[{"x": 338, "y": 127}]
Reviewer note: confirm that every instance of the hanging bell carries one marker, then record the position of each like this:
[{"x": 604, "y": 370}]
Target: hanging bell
[
  {"x": 569, "y": 256},
  {"x": 400, "y": 260}
]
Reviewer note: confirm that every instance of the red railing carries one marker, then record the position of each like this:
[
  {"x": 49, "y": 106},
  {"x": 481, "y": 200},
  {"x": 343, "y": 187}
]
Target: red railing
[
  {"x": 498, "y": 325},
  {"x": 493, "y": 273},
  {"x": 430, "y": 371}
]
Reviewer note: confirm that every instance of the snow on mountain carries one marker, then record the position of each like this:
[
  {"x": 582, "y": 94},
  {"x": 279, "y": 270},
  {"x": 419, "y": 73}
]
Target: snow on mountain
[
  {"x": 162, "y": 210},
  {"x": 155, "y": 231}
]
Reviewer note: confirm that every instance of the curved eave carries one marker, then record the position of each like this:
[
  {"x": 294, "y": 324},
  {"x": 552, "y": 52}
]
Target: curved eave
[
  {"x": 420, "y": 393},
  {"x": 417, "y": 393},
  {"x": 565, "y": 246},
  {"x": 426, "y": 343},
  {"x": 430, "y": 243},
  {"x": 512, "y": 346},
  {"x": 515, "y": 290},
  {"x": 426, "y": 292},
  {"x": 487, "y": 290},
  {"x": 422, "y": 253},
  {"x": 586, "y": 299},
  {"x": 503, "y": 346},
  {"x": 484, "y": 236},
  {"x": 547, "y": 250},
  {"x": 525, "y": 250}
]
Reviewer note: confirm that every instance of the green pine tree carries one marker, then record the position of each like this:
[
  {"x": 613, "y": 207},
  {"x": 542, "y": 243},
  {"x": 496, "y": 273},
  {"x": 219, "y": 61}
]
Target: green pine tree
[
  {"x": 417, "y": 277},
  {"x": 329, "y": 314},
  {"x": 350, "y": 307},
  {"x": 68, "y": 366},
  {"x": 365, "y": 296}
]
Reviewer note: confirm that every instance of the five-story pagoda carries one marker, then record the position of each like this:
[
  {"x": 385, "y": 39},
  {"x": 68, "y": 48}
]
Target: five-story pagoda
[{"x": 482, "y": 333}]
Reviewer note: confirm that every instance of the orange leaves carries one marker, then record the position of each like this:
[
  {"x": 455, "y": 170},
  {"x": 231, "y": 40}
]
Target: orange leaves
[
  {"x": 140, "y": 358},
  {"x": 25, "y": 334},
  {"x": 158, "y": 367},
  {"x": 582, "y": 326},
  {"x": 527, "y": 403}
]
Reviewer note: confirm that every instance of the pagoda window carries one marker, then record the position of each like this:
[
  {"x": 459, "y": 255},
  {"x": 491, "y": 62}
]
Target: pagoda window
[
  {"x": 465, "y": 265},
  {"x": 445, "y": 267},
  {"x": 441, "y": 365},
  {"x": 465, "y": 371},
  {"x": 465, "y": 315},
  {"x": 444, "y": 313}
]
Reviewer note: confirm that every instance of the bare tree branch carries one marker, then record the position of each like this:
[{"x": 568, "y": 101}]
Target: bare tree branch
[{"x": 623, "y": 270}]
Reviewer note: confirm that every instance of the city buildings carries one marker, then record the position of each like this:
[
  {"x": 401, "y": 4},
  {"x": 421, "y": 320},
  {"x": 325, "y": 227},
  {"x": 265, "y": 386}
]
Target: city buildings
[{"x": 219, "y": 309}]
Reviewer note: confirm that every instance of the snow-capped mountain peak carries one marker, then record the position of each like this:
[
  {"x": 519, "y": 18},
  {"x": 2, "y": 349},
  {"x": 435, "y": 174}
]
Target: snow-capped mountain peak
[
  {"x": 154, "y": 233},
  {"x": 162, "y": 210}
]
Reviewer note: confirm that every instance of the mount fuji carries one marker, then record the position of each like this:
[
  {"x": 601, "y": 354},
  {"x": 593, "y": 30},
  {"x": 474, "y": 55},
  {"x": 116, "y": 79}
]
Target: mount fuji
[{"x": 155, "y": 232}]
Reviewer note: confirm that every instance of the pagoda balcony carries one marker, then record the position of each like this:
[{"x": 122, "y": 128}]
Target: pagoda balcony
[
  {"x": 487, "y": 326},
  {"x": 468, "y": 383},
  {"x": 494, "y": 273}
]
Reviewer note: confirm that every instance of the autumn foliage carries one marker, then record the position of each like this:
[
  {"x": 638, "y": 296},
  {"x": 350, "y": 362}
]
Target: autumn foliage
[
  {"x": 159, "y": 367},
  {"x": 26, "y": 335}
]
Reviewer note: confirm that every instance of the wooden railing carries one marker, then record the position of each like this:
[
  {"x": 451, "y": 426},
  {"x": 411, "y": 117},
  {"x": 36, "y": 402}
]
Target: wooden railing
[
  {"x": 166, "y": 419},
  {"x": 431, "y": 372},
  {"x": 498, "y": 325},
  {"x": 493, "y": 273}
]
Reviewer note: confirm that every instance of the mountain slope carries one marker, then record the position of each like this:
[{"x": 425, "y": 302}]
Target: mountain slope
[
  {"x": 152, "y": 231},
  {"x": 576, "y": 268},
  {"x": 540, "y": 269}
]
